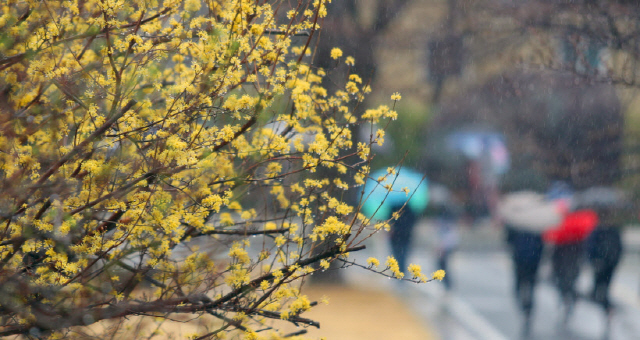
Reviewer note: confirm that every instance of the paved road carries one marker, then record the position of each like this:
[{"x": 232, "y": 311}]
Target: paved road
[{"x": 482, "y": 305}]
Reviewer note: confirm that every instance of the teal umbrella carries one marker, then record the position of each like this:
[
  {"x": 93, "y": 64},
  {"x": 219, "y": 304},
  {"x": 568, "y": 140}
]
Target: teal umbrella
[{"x": 378, "y": 200}]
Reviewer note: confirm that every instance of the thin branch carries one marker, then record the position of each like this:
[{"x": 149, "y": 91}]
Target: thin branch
[
  {"x": 292, "y": 334},
  {"x": 45, "y": 176},
  {"x": 47, "y": 318},
  {"x": 243, "y": 232},
  {"x": 242, "y": 130},
  {"x": 370, "y": 268}
]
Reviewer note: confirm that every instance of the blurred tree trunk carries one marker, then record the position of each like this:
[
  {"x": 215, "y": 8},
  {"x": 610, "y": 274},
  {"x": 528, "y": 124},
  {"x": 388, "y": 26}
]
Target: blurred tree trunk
[{"x": 355, "y": 26}]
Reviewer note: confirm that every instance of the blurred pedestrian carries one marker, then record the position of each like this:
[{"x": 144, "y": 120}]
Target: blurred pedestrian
[
  {"x": 526, "y": 252},
  {"x": 447, "y": 211},
  {"x": 400, "y": 196},
  {"x": 604, "y": 245},
  {"x": 401, "y": 234},
  {"x": 567, "y": 254},
  {"x": 604, "y": 251},
  {"x": 526, "y": 215},
  {"x": 448, "y": 238}
]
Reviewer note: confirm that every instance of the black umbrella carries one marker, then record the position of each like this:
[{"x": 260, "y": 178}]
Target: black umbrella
[{"x": 601, "y": 198}]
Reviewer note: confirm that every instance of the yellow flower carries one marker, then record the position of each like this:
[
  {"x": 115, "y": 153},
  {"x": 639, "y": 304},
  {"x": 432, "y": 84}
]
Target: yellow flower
[
  {"x": 251, "y": 335},
  {"x": 350, "y": 61},
  {"x": 336, "y": 53},
  {"x": 415, "y": 270},
  {"x": 325, "y": 299},
  {"x": 372, "y": 261},
  {"x": 356, "y": 78},
  {"x": 392, "y": 264},
  {"x": 438, "y": 275},
  {"x": 280, "y": 240},
  {"x": 324, "y": 264},
  {"x": 351, "y": 87},
  {"x": 396, "y": 96},
  {"x": 264, "y": 285}
]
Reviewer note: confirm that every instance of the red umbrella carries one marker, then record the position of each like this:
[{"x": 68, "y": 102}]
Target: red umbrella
[{"x": 575, "y": 227}]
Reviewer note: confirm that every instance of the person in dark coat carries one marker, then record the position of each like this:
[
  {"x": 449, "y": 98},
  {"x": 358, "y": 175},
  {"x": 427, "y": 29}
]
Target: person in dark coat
[
  {"x": 525, "y": 215},
  {"x": 526, "y": 251},
  {"x": 568, "y": 247},
  {"x": 447, "y": 231},
  {"x": 604, "y": 250},
  {"x": 401, "y": 234},
  {"x": 568, "y": 240},
  {"x": 565, "y": 263}
]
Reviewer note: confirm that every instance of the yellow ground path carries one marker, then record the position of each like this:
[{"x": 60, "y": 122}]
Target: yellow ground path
[{"x": 363, "y": 314}]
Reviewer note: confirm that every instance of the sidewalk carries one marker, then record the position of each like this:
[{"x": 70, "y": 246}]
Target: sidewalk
[
  {"x": 482, "y": 274},
  {"x": 481, "y": 307},
  {"x": 363, "y": 313}
]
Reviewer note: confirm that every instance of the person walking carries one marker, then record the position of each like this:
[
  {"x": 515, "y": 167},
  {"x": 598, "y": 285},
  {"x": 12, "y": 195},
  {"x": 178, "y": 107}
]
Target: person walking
[
  {"x": 526, "y": 215},
  {"x": 526, "y": 253},
  {"x": 604, "y": 250},
  {"x": 398, "y": 196},
  {"x": 604, "y": 246},
  {"x": 446, "y": 210},
  {"x": 448, "y": 239},
  {"x": 567, "y": 254},
  {"x": 401, "y": 234}
]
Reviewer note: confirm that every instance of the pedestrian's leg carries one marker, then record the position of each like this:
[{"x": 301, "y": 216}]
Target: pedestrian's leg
[
  {"x": 397, "y": 247},
  {"x": 443, "y": 261},
  {"x": 602, "y": 281},
  {"x": 566, "y": 267},
  {"x": 525, "y": 283},
  {"x": 401, "y": 233},
  {"x": 559, "y": 266},
  {"x": 524, "y": 287},
  {"x": 527, "y": 253}
]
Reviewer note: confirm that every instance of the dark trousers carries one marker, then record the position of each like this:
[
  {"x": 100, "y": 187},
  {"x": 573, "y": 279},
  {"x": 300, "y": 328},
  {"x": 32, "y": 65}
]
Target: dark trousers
[
  {"x": 565, "y": 260},
  {"x": 443, "y": 263},
  {"x": 605, "y": 251},
  {"x": 602, "y": 281},
  {"x": 526, "y": 252},
  {"x": 400, "y": 238},
  {"x": 526, "y": 277}
]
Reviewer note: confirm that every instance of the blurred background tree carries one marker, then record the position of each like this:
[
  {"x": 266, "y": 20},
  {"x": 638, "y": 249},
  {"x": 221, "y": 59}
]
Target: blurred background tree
[{"x": 557, "y": 78}]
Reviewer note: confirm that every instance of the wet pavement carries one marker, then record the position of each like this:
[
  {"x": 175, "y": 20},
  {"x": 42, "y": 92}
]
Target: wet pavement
[{"x": 482, "y": 306}]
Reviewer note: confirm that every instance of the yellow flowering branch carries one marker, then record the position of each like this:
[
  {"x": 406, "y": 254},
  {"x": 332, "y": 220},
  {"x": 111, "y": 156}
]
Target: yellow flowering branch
[{"x": 144, "y": 142}]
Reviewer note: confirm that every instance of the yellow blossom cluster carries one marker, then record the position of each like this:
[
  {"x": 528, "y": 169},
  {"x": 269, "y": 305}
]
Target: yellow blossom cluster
[
  {"x": 383, "y": 111},
  {"x": 336, "y": 53},
  {"x": 392, "y": 265},
  {"x": 372, "y": 261},
  {"x": 331, "y": 226},
  {"x": 438, "y": 275},
  {"x": 140, "y": 140}
]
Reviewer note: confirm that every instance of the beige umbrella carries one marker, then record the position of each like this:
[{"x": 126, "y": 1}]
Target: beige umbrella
[{"x": 528, "y": 210}]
